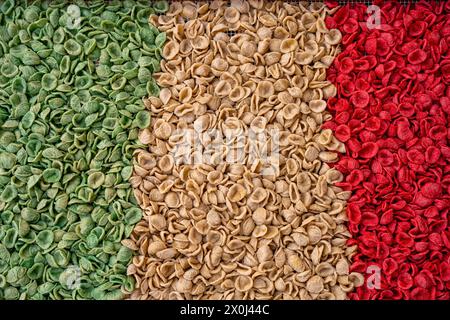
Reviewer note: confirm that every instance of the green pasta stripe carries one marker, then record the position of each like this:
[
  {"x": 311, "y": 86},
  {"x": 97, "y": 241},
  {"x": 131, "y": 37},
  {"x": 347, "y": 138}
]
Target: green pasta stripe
[{"x": 72, "y": 79}]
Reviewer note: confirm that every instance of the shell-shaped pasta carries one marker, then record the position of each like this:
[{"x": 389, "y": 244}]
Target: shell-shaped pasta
[
  {"x": 258, "y": 195},
  {"x": 280, "y": 258},
  {"x": 311, "y": 153},
  {"x": 264, "y": 33},
  {"x": 267, "y": 20},
  {"x": 356, "y": 278},
  {"x": 166, "y": 254},
  {"x": 326, "y": 61},
  {"x": 172, "y": 200},
  {"x": 290, "y": 111},
  {"x": 171, "y": 49},
  {"x": 263, "y": 47},
  {"x": 185, "y": 47},
  {"x": 259, "y": 216},
  {"x": 292, "y": 166},
  {"x": 280, "y": 285},
  {"x": 213, "y": 218},
  {"x": 317, "y": 105},
  {"x": 258, "y": 124},
  {"x": 166, "y": 163},
  {"x": 325, "y": 137},
  {"x": 189, "y": 11},
  {"x": 219, "y": 64},
  {"x": 311, "y": 46},
  {"x": 283, "y": 96},
  {"x": 241, "y": 5},
  {"x": 200, "y": 43},
  {"x": 200, "y": 70},
  {"x": 237, "y": 94},
  {"x": 165, "y": 186},
  {"x": 265, "y": 89},
  {"x": 303, "y": 58},
  {"x": 231, "y": 15},
  {"x": 183, "y": 285},
  {"x": 275, "y": 45},
  {"x": 236, "y": 193},
  {"x": 315, "y": 284},
  {"x": 259, "y": 231},
  {"x": 216, "y": 256},
  {"x": 263, "y": 285},
  {"x": 156, "y": 247},
  {"x": 162, "y": 130},
  {"x": 146, "y": 160},
  {"x": 333, "y": 37},
  {"x": 288, "y": 45},
  {"x": 185, "y": 95},
  {"x": 222, "y": 88},
  {"x": 243, "y": 283},
  {"x": 281, "y": 85},
  {"x": 248, "y": 49},
  {"x": 300, "y": 239},
  {"x": 329, "y": 91},
  {"x": 325, "y": 269},
  {"x": 280, "y": 33},
  {"x": 271, "y": 58},
  {"x": 295, "y": 262},
  {"x": 272, "y": 232},
  {"x": 308, "y": 20},
  {"x": 156, "y": 195},
  {"x": 202, "y": 123},
  {"x": 327, "y": 156},
  {"x": 158, "y": 222},
  {"x": 248, "y": 226},
  {"x": 264, "y": 253},
  {"x": 165, "y": 94},
  {"x": 314, "y": 234},
  {"x": 342, "y": 267}
]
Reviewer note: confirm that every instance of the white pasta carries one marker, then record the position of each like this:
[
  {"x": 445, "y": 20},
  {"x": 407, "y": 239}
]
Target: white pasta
[{"x": 255, "y": 227}]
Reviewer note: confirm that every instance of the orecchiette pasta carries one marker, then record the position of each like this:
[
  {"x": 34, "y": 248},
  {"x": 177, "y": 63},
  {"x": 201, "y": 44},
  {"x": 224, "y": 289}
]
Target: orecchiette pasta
[
  {"x": 226, "y": 216},
  {"x": 70, "y": 113}
]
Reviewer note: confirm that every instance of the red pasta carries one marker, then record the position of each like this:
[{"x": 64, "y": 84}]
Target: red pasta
[{"x": 392, "y": 111}]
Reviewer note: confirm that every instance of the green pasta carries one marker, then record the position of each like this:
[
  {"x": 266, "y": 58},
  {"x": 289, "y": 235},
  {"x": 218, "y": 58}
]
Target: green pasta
[{"x": 72, "y": 79}]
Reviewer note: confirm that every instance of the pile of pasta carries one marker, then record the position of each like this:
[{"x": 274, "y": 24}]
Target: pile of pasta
[{"x": 253, "y": 226}]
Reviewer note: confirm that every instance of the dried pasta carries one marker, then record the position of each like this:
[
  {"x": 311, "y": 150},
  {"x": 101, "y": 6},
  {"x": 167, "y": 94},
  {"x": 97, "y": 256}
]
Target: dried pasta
[{"x": 253, "y": 227}]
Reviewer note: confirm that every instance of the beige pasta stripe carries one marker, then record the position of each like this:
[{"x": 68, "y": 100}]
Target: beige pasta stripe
[{"x": 230, "y": 230}]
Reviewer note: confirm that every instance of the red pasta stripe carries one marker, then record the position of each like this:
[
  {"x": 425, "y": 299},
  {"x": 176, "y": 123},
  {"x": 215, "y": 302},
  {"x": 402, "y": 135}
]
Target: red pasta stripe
[{"x": 392, "y": 111}]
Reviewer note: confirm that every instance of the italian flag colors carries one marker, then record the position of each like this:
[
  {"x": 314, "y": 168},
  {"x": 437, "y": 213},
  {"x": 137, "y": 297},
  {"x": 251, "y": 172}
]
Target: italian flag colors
[{"x": 96, "y": 201}]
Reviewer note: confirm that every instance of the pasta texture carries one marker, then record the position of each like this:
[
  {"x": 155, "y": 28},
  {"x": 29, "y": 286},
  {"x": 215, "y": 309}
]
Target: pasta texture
[
  {"x": 393, "y": 114},
  {"x": 255, "y": 227},
  {"x": 70, "y": 112}
]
